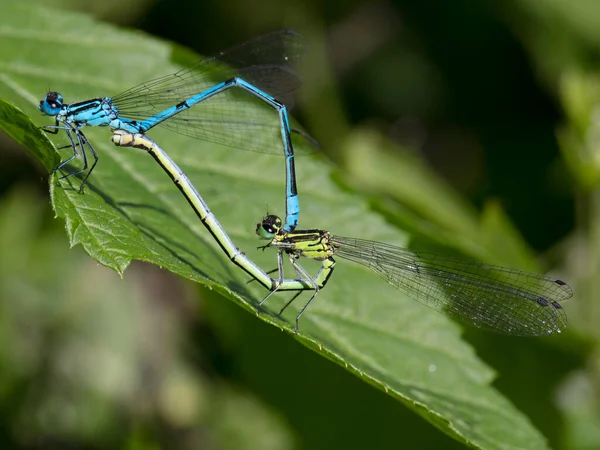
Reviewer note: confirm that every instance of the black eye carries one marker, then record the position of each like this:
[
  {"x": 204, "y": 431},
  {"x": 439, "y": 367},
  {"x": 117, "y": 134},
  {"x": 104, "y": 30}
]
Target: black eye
[{"x": 269, "y": 229}]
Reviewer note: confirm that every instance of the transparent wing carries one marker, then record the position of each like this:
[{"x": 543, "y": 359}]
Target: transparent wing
[
  {"x": 234, "y": 117},
  {"x": 494, "y": 298},
  {"x": 237, "y": 119}
]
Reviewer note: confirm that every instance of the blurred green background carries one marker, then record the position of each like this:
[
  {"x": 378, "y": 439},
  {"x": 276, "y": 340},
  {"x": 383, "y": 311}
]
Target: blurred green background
[{"x": 498, "y": 99}]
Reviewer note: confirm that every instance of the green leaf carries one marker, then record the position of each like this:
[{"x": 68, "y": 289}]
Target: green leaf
[
  {"x": 131, "y": 211},
  {"x": 19, "y": 127}
]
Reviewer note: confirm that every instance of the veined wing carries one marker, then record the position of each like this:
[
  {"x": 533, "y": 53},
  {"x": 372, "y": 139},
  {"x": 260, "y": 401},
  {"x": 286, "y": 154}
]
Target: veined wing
[{"x": 494, "y": 298}]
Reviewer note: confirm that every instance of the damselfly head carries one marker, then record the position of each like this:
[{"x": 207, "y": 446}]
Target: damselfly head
[
  {"x": 268, "y": 227},
  {"x": 51, "y": 104}
]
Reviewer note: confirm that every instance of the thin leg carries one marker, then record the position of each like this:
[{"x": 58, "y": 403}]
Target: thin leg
[
  {"x": 302, "y": 275},
  {"x": 301, "y": 271},
  {"x": 54, "y": 127},
  {"x": 303, "y": 309},
  {"x": 277, "y": 282},
  {"x": 68, "y": 160},
  {"x": 83, "y": 141}
]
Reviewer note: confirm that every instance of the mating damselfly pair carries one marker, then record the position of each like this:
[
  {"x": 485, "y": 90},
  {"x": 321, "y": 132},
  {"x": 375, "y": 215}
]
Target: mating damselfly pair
[{"x": 193, "y": 102}]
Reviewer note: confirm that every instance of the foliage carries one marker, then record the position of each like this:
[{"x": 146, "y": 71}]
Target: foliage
[{"x": 131, "y": 212}]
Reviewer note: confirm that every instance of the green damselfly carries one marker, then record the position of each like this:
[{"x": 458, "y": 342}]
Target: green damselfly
[{"x": 493, "y": 298}]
